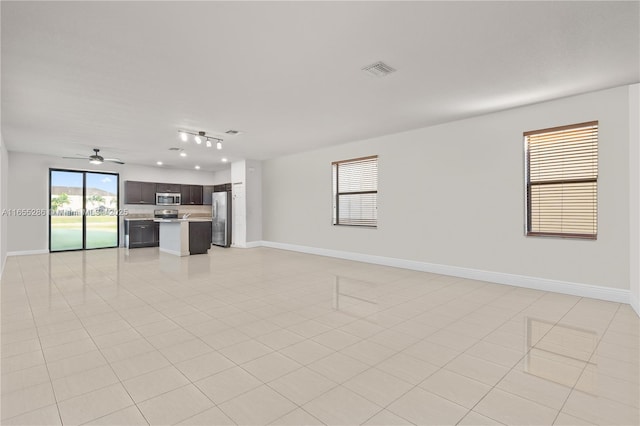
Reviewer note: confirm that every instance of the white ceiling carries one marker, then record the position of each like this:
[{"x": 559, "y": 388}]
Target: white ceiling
[{"x": 125, "y": 76}]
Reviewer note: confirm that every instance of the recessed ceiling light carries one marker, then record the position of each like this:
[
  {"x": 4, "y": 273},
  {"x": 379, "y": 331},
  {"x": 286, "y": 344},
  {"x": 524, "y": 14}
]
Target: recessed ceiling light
[
  {"x": 197, "y": 167},
  {"x": 183, "y": 154},
  {"x": 224, "y": 160},
  {"x": 159, "y": 163}
]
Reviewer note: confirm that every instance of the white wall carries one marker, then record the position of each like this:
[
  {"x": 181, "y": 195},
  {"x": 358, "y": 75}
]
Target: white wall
[
  {"x": 246, "y": 177},
  {"x": 28, "y": 175},
  {"x": 4, "y": 187},
  {"x": 254, "y": 200},
  {"x": 453, "y": 195},
  {"x": 634, "y": 195},
  {"x": 222, "y": 176}
]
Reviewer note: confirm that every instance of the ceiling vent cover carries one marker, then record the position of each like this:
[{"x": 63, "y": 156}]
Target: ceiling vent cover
[
  {"x": 175, "y": 149},
  {"x": 379, "y": 69}
]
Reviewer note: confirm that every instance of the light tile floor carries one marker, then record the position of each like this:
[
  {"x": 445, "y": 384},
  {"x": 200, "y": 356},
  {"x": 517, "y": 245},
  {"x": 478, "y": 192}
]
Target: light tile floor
[{"x": 262, "y": 336}]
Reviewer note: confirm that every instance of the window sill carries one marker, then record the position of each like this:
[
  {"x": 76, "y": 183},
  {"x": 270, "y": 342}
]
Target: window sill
[{"x": 562, "y": 236}]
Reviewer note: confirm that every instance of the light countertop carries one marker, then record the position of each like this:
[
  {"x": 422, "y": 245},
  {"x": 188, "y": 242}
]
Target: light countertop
[{"x": 189, "y": 219}]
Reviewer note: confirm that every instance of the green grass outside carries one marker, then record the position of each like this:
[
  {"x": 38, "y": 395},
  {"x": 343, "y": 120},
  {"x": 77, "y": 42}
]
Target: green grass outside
[{"x": 66, "y": 232}]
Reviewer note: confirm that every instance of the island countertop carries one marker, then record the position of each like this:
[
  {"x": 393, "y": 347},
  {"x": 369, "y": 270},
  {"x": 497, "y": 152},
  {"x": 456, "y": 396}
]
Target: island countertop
[{"x": 189, "y": 219}]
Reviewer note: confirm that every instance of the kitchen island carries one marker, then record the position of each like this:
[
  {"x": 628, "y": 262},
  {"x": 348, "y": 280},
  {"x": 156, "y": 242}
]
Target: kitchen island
[{"x": 184, "y": 237}]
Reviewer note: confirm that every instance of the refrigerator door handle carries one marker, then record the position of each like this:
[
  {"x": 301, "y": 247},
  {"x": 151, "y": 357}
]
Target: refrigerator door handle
[{"x": 214, "y": 213}]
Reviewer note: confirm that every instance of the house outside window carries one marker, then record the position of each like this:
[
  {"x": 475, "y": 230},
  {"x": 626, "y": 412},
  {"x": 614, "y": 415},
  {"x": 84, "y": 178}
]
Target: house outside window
[
  {"x": 561, "y": 166},
  {"x": 355, "y": 192}
]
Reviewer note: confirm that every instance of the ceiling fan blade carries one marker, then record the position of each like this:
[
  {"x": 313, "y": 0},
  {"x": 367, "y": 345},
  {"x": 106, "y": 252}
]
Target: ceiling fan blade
[
  {"x": 113, "y": 160},
  {"x": 76, "y": 158}
]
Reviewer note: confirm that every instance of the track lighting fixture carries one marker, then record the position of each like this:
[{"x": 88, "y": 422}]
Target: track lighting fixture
[{"x": 200, "y": 137}]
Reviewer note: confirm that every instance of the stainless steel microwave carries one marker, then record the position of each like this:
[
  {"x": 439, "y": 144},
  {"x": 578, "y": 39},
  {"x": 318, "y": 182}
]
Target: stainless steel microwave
[{"x": 167, "y": 199}]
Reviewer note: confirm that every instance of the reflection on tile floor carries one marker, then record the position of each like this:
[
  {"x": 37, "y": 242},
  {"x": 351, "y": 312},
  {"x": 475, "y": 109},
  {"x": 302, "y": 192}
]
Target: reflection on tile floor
[{"x": 263, "y": 336}]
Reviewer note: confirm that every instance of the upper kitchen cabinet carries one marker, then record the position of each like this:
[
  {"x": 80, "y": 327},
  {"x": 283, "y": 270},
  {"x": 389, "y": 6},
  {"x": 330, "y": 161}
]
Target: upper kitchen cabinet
[
  {"x": 222, "y": 187},
  {"x": 139, "y": 192},
  {"x": 168, "y": 187},
  {"x": 191, "y": 194},
  {"x": 207, "y": 190}
]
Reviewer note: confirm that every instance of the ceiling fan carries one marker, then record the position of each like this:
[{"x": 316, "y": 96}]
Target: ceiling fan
[{"x": 96, "y": 158}]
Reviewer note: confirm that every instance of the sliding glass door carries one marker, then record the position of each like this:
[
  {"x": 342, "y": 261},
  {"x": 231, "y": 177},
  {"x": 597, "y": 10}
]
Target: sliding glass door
[
  {"x": 65, "y": 217},
  {"x": 83, "y": 210},
  {"x": 101, "y": 201}
]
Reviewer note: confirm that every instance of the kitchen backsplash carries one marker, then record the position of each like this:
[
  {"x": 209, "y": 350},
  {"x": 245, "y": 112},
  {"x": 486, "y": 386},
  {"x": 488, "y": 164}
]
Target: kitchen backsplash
[{"x": 147, "y": 211}]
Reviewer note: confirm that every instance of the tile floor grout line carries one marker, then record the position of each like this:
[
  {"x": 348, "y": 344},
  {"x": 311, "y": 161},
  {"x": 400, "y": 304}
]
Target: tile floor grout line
[
  {"x": 98, "y": 348},
  {"x": 443, "y": 366},
  {"x": 529, "y": 350},
  {"x": 184, "y": 294},
  {"x": 585, "y": 367},
  {"x": 53, "y": 391},
  {"x": 523, "y": 356}
]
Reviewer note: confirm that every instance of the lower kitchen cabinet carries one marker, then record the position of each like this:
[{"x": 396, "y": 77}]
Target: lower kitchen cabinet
[
  {"x": 199, "y": 237},
  {"x": 141, "y": 233}
]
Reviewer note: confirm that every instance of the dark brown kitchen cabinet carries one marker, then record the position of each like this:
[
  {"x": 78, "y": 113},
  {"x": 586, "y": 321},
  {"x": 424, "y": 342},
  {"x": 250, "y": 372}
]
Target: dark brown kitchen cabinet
[
  {"x": 222, "y": 187},
  {"x": 199, "y": 237},
  {"x": 141, "y": 233},
  {"x": 139, "y": 192},
  {"x": 168, "y": 187},
  {"x": 207, "y": 190},
  {"x": 191, "y": 194}
]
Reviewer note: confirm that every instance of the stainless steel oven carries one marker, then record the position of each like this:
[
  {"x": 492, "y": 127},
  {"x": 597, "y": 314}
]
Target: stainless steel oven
[{"x": 167, "y": 199}]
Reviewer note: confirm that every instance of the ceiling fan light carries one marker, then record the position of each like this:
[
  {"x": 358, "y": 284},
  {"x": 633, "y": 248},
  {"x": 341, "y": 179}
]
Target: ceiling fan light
[{"x": 95, "y": 161}]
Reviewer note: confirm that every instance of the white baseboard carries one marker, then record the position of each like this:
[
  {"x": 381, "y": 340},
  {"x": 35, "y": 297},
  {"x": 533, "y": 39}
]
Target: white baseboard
[
  {"x": 27, "y": 252},
  {"x": 248, "y": 244},
  {"x": 174, "y": 252},
  {"x": 545, "y": 284}
]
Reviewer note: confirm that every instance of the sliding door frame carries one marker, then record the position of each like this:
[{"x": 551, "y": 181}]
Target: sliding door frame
[{"x": 84, "y": 208}]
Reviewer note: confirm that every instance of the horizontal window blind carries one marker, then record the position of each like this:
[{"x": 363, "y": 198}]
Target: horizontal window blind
[
  {"x": 562, "y": 181},
  {"x": 355, "y": 190}
]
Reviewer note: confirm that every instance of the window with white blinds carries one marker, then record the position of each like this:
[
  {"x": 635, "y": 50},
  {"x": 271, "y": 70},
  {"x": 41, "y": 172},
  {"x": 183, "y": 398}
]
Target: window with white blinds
[
  {"x": 562, "y": 181},
  {"x": 355, "y": 192}
]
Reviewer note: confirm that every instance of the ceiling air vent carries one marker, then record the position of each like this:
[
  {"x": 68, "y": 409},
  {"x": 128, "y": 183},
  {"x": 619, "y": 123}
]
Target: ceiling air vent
[
  {"x": 379, "y": 69},
  {"x": 175, "y": 149},
  {"x": 233, "y": 132}
]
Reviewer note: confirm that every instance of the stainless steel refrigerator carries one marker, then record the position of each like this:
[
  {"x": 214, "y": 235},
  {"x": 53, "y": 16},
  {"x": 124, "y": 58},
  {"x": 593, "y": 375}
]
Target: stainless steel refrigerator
[{"x": 221, "y": 218}]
